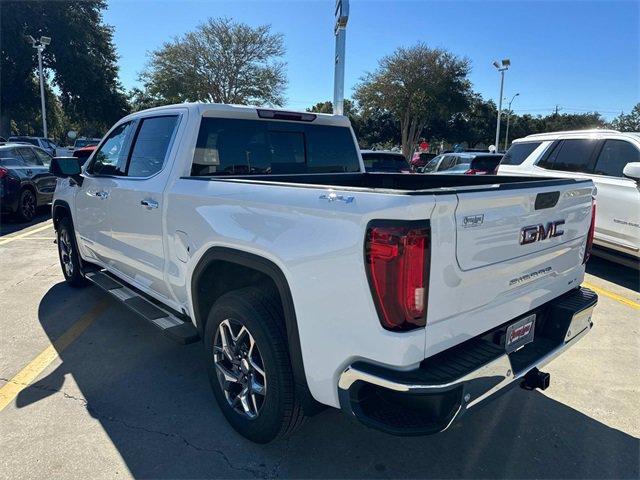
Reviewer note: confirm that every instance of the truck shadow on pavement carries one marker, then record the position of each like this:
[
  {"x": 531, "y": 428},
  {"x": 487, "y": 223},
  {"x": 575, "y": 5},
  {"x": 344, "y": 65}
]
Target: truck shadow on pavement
[
  {"x": 9, "y": 225},
  {"x": 615, "y": 273},
  {"x": 153, "y": 400}
]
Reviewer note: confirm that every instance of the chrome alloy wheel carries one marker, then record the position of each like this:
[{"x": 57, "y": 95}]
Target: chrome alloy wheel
[
  {"x": 239, "y": 368},
  {"x": 66, "y": 251}
]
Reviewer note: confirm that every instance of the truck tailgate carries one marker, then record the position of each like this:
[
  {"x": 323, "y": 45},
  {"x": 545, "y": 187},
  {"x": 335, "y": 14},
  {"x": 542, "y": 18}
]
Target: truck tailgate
[
  {"x": 497, "y": 254},
  {"x": 493, "y": 227}
]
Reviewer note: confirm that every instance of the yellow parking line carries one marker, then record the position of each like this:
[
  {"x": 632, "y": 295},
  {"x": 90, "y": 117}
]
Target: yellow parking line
[
  {"x": 613, "y": 296},
  {"x": 36, "y": 238},
  {"x": 25, "y": 234},
  {"x": 29, "y": 373}
]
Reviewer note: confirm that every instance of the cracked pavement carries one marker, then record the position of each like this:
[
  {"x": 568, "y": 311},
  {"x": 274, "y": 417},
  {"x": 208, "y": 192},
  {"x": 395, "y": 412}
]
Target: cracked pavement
[{"x": 124, "y": 401}]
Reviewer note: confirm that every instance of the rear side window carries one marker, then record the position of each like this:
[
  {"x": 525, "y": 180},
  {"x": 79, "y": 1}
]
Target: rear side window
[
  {"x": 615, "y": 154},
  {"x": 151, "y": 145},
  {"x": 571, "y": 156},
  {"x": 518, "y": 153},
  {"x": 9, "y": 157},
  {"x": 29, "y": 157},
  {"x": 254, "y": 147}
]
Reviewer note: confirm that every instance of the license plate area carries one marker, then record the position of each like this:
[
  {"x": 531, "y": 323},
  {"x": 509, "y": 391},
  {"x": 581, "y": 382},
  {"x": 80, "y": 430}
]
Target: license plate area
[{"x": 520, "y": 333}]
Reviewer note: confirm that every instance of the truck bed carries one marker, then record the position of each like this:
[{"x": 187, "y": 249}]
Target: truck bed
[{"x": 396, "y": 183}]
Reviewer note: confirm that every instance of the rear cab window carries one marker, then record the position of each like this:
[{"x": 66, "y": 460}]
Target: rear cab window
[
  {"x": 262, "y": 147},
  {"x": 519, "y": 152}
]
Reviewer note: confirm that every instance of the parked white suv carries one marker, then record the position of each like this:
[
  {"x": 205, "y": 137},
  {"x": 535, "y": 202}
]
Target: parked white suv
[
  {"x": 607, "y": 157},
  {"x": 404, "y": 300}
]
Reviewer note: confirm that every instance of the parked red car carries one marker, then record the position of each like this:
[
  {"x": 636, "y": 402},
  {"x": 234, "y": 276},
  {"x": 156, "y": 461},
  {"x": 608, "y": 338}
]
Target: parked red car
[{"x": 84, "y": 153}]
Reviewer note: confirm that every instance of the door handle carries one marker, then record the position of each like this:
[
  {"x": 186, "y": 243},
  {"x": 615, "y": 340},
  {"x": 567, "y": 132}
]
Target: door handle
[
  {"x": 29, "y": 171},
  {"x": 100, "y": 194},
  {"x": 149, "y": 203}
]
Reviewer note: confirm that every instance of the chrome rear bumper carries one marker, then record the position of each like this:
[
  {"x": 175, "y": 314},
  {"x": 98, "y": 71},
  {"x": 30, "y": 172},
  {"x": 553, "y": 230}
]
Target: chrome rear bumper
[{"x": 431, "y": 398}]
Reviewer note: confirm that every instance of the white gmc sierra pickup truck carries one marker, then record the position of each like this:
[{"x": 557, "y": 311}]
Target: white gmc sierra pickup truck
[{"x": 404, "y": 300}]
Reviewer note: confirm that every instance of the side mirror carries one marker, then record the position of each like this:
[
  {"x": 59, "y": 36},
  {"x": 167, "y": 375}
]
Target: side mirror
[
  {"x": 632, "y": 170},
  {"x": 66, "y": 167}
]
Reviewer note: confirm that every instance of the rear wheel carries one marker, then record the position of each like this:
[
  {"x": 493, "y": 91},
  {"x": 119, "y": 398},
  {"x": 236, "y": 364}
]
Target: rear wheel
[
  {"x": 26, "y": 206},
  {"x": 249, "y": 366},
  {"x": 68, "y": 253}
]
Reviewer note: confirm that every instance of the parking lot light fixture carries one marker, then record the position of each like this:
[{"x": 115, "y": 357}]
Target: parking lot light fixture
[
  {"x": 501, "y": 67},
  {"x": 40, "y": 45}
]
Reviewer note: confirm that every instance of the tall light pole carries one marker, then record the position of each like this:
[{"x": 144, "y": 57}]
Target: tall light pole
[
  {"x": 340, "y": 31},
  {"x": 506, "y": 135},
  {"x": 40, "y": 45},
  {"x": 501, "y": 68}
]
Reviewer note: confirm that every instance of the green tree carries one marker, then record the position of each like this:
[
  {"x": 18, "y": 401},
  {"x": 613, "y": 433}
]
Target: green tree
[
  {"x": 349, "y": 110},
  {"x": 629, "y": 122},
  {"x": 572, "y": 121},
  {"x": 474, "y": 125},
  {"x": 419, "y": 87},
  {"x": 373, "y": 128},
  {"x": 221, "y": 61},
  {"x": 142, "y": 99},
  {"x": 81, "y": 59}
]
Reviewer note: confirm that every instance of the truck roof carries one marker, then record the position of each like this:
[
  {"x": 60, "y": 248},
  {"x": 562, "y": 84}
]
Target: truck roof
[{"x": 244, "y": 111}]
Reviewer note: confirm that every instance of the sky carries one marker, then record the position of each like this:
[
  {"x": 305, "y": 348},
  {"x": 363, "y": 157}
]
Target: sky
[{"x": 579, "y": 55}]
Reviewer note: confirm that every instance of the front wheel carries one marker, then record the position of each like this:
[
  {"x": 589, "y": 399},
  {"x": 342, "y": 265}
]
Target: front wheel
[
  {"x": 249, "y": 366},
  {"x": 68, "y": 253}
]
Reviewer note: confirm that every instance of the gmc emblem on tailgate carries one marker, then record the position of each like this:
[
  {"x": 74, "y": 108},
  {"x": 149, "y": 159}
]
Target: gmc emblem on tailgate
[{"x": 537, "y": 233}]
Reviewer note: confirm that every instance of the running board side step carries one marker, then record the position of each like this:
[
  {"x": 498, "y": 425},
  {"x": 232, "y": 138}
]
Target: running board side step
[{"x": 172, "y": 326}]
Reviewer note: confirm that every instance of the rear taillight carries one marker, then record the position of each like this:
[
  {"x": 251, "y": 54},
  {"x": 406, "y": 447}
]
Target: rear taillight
[
  {"x": 592, "y": 228},
  {"x": 3, "y": 172},
  {"x": 397, "y": 256}
]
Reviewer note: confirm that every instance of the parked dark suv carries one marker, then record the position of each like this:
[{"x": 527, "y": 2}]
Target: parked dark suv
[{"x": 25, "y": 181}]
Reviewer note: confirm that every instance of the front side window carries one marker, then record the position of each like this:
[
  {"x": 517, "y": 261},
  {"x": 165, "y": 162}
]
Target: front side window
[
  {"x": 449, "y": 161},
  {"x": 571, "y": 156},
  {"x": 150, "y": 146},
  {"x": 518, "y": 153},
  {"x": 254, "y": 147},
  {"x": 43, "y": 156},
  {"x": 111, "y": 159},
  {"x": 615, "y": 154},
  {"x": 433, "y": 164}
]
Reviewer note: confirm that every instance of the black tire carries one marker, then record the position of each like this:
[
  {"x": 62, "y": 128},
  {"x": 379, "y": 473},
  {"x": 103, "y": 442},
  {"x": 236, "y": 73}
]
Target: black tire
[
  {"x": 27, "y": 206},
  {"x": 259, "y": 312},
  {"x": 68, "y": 254}
]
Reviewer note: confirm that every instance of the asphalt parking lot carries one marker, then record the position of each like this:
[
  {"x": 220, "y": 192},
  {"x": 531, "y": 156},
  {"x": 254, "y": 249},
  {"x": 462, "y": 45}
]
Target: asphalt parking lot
[{"x": 88, "y": 390}]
